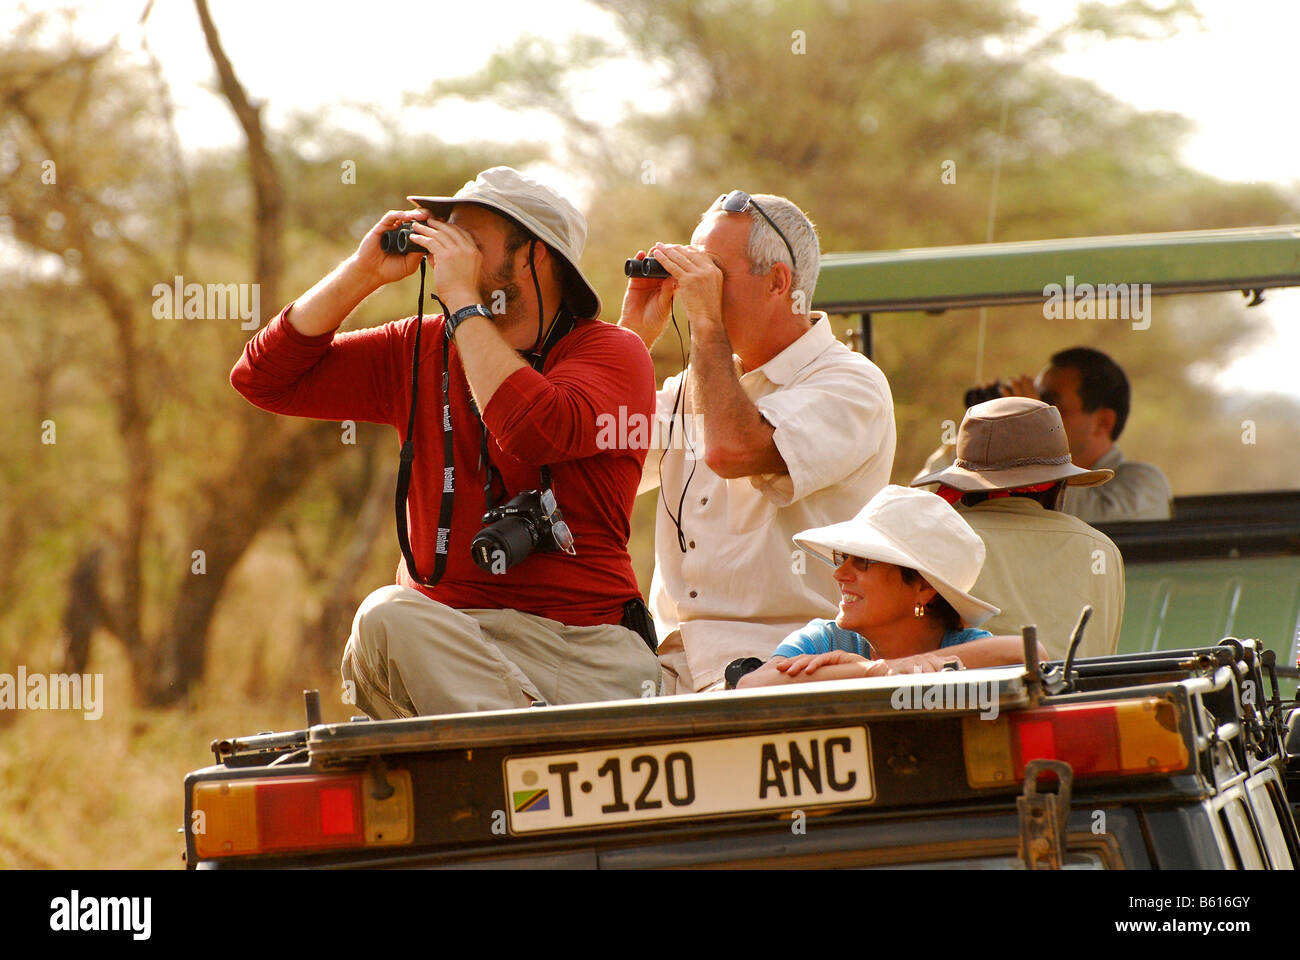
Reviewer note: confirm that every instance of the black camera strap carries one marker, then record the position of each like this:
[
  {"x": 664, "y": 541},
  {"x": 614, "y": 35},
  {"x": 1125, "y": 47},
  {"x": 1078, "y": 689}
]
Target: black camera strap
[
  {"x": 408, "y": 455},
  {"x": 563, "y": 324},
  {"x": 686, "y": 441}
]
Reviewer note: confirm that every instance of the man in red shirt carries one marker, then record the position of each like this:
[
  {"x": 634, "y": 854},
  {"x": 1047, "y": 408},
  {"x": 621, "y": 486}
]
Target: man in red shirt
[{"x": 519, "y": 341}]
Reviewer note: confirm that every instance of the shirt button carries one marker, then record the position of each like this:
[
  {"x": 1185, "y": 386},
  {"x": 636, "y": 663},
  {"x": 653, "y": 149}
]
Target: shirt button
[
  {"x": 694, "y": 594},
  {"x": 691, "y": 544},
  {"x": 704, "y": 501}
]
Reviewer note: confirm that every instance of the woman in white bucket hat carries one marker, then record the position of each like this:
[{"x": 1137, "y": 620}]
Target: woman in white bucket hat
[{"x": 905, "y": 565}]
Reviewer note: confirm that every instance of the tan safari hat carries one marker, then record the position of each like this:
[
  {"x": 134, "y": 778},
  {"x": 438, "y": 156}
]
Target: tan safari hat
[
  {"x": 917, "y": 529},
  {"x": 1012, "y": 442},
  {"x": 539, "y": 210}
]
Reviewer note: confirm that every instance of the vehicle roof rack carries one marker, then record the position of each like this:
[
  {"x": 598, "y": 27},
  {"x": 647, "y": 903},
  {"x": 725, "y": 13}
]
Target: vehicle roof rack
[{"x": 997, "y": 274}]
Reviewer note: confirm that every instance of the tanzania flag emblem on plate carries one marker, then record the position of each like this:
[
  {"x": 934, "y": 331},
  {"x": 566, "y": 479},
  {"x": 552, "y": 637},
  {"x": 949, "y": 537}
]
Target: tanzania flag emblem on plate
[{"x": 527, "y": 801}]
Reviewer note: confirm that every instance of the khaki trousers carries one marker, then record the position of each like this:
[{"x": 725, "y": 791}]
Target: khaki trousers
[
  {"x": 410, "y": 656},
  {"x": 677, "y": 677}
]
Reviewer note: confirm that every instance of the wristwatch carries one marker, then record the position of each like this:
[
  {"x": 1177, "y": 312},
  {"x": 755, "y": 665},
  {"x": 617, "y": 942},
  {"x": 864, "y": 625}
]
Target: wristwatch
[{"x": 463, "y": 314}]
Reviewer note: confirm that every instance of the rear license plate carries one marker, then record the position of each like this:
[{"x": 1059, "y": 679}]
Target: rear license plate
[{"x": 693, "y": 778}]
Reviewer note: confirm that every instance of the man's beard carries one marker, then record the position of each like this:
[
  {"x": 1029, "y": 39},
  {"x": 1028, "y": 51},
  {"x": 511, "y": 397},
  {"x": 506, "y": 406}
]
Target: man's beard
[{"x": 501, "y": 286}]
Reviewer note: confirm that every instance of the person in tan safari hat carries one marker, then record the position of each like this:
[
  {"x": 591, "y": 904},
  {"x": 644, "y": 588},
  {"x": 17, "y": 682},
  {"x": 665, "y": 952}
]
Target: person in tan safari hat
[
  {"x": 1012, "y": 467},
  {"x": 498, "y": 402},
  {"x": 1093, "y": 395},
  {"x": 905, "y": 566}
]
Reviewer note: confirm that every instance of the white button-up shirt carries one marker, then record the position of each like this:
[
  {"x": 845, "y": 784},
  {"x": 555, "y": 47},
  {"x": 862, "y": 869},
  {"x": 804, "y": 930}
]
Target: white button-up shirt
[{"x": 742, "y": 586}]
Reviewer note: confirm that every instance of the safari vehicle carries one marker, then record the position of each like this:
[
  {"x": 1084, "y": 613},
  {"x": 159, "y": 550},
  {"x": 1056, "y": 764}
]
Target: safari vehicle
[
  {"x": 1226, "y": 564},
  {"x": 1156, "y": 760},
  {"x": 1179, "y": 751}
]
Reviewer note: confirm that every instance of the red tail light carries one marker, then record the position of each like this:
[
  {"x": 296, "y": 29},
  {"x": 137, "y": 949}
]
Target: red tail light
[
  {"x": 1106, "y": 738},
  {"x": 284, "y": 814},
  {"x": 299, "y": 814}
]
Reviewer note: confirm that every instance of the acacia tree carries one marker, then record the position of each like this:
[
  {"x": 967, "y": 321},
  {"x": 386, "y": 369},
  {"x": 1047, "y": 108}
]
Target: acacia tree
[
  {"x": 98, "y": 209},
  {"x": 164, "y": 497}
]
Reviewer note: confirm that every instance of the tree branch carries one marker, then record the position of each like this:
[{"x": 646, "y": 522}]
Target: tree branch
[{"x": 268, "y": 196}]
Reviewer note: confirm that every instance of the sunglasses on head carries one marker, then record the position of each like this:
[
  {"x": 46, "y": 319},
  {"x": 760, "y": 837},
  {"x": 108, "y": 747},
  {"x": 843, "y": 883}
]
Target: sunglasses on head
[
  {"x": 861, "y": 564},
  {"x": 738, "y": 201}
]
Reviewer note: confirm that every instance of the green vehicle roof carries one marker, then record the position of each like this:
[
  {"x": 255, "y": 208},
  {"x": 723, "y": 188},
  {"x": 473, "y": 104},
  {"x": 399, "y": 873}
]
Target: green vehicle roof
[{"x": 995, "y": 274}]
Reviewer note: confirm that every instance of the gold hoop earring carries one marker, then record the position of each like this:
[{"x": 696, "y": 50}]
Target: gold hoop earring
[{"x": 919, "y": 609}]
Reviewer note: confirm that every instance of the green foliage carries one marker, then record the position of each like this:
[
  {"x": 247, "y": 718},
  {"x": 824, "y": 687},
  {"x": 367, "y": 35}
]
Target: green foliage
[{"x": 857, "y": 130}]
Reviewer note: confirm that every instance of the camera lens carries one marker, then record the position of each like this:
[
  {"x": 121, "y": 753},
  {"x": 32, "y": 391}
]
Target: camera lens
[{"x": 498, "y": 547}]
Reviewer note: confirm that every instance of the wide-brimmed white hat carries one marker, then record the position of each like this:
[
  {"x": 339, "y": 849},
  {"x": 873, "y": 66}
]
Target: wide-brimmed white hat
[
  {"x": 917, "y": 529},
  {"x": 539, "y": 210}
]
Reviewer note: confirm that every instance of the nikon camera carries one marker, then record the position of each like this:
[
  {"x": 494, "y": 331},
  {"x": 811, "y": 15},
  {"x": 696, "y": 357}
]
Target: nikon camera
[{"x": 531, "y": 521}]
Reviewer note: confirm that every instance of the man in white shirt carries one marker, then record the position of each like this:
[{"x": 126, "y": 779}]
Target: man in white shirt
[{"x": 777, "y": 427}]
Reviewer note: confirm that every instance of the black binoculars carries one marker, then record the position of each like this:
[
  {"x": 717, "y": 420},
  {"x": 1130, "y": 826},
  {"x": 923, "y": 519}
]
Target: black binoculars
[
  {"x": 398, "y": 241},
  {"x": 649, "y": 267}
]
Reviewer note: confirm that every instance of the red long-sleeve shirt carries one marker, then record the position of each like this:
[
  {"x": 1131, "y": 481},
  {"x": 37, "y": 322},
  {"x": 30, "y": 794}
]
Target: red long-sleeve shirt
[{"x": 533, "y": 419}]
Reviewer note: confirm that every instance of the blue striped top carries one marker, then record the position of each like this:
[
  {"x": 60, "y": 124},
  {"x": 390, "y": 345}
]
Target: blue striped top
[{"x": 823, "y": 636}]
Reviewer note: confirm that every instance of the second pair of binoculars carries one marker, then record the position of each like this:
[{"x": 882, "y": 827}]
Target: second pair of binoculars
[{"x": 647, "y": 267}]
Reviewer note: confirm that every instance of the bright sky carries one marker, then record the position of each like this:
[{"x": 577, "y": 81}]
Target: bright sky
[{"x": 1235, "y": 77}]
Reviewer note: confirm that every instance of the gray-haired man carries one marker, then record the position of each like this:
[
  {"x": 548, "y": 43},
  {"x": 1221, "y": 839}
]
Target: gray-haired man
[{"x": 795, "y": 431}]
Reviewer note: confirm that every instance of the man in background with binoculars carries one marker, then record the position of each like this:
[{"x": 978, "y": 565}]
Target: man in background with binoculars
[
  {"x": 516, "y": 585},
  {"x": 1092, "y": 393}
]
